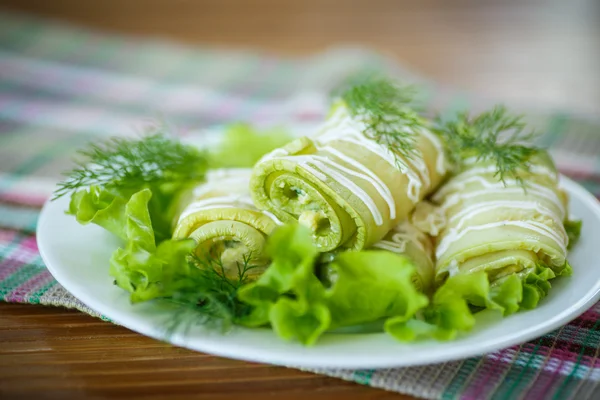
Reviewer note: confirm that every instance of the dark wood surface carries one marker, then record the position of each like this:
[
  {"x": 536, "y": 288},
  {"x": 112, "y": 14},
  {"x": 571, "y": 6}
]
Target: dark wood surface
[
  {"x": 56, "y": 353},
  {"x": 542, "y": 52}
]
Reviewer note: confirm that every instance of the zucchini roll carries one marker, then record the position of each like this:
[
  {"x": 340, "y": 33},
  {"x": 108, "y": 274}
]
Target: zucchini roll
[
  {"x": 220, "y": 216},
  {"x": 503, "y": 228},
  {"x": 347, "y": 186}
]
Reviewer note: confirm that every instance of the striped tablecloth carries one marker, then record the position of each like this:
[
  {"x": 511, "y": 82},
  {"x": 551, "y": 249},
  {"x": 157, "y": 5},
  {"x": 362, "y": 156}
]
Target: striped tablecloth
[{"x": 61, "y": 87}]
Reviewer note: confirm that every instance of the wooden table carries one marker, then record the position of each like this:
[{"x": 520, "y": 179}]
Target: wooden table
[
  {"x": 56, "y": 353},
  {"x": 533, "y": 52}
]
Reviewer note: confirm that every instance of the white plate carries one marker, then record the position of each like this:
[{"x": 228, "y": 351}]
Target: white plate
[{"x": 78, "y": 258}]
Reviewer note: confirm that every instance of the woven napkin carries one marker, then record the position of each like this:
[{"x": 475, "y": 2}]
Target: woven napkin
[{"x": 61, "y": 87}]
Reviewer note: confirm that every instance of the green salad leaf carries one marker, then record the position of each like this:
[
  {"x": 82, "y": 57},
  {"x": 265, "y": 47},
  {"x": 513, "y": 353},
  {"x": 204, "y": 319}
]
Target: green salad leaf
[
  {"x": 288, "y": 295},
  {"x": 141, "y": 267},
  {"x": 243, "y": 145},
  {"x": 366, "y": 286},
  {"x": 370, "y": 285},
  {"x": 101, "y": 207},
  {"x": 111, "y": 172},
  {"x": 197, "y": 284},
  {"x": 449, "y": 312},
  {"x": 573, "y": 228},
  {"x": 454, "y": 304}
]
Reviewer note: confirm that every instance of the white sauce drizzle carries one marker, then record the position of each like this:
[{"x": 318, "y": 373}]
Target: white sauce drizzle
[
  {"x": 343, "y": 127},
  {"x": 218, "y": 202},
  {"x": 453, "y": 268},
  {"x": 403, "y": 234},
  {"x": 357, "y": 138},
  {"x": 454, "y": 235},
  {"x": 350, "y": 130},
  {"x": 383, "y": 190},
  {"x": 394, "y": 246},
  {"x": 303, "y": 161},
  {"x": 533, "y": 189},
  {"x": 360, "y": 193},
  {"x": 322, "y": 163},
  {"x": 542, "y": 199},
  {"x": 441, "y": 165},
  {"x": 419, "y": 163},
  {"x": 475, "y": 209}
]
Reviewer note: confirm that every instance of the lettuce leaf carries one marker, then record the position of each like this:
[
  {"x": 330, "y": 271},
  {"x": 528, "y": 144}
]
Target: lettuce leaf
[
  {"x": 111, "y": 171},
  {"x": 99, "y": 206},
  {"x": 141, "y": 267},
  {"x": 105, "y": 207},
  {"x": 370, "y": 285},
  {"x": 367, "y": 286},
  {"x": 454, "y": 304},
  {"x": 449, "y": 311},
  {"x": 145, "y": 270},
  {"x": 244, "y": 145},
  {"x": 288, "y": 295},
  {"x": 573, "y": 228}
]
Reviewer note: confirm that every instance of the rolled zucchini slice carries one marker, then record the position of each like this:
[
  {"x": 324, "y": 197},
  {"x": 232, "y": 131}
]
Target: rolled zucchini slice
[
  {"x": 502, "y": 228},
  {"x": 220, "y": 216},
  {"x": 346, "y": 187}
]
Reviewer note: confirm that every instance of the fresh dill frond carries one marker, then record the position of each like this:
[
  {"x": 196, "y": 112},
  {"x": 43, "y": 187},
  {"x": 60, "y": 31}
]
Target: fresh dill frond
[
  {"x": 121, "y": 163},
  {"x": 208, "y": 296},
  {"x": 388, "y": 112},
  {"x": 494, "y": 136}
]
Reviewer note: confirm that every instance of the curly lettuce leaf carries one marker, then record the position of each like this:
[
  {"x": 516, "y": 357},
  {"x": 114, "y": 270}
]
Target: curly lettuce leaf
[
  {"x": 244, "y": 145},
  {"x": 145, "y": 270},
  {"x": 370, "y": 285},
  {"x": 111, "y": 171},
  {"x": 288, "y": 295},
  {"x": 449, "y": 312},
  {"x": 106, "y": 208},
  {"x": 367, "y": 286},
  {"x": 573, "y": 228},
  {"x": 99, "y": 206},
  {"x": 454, "y": 304}
]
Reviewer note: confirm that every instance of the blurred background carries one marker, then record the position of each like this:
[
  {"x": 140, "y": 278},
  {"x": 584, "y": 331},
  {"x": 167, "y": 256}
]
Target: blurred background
[{"x": 544, "y": 53}]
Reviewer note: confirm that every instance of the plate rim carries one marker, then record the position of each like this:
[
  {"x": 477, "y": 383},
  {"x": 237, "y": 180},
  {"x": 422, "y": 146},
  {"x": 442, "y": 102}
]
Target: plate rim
[{"x": 258, "y": 355}]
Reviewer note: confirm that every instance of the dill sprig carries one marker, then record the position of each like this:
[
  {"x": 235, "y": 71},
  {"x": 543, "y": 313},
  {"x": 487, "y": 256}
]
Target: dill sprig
[
  {"x": 208, "y": 296},
  {"x": 122, "y": 163},
  {"x": 387, "y": 110},
  {"x": 494, "y": 136}
]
